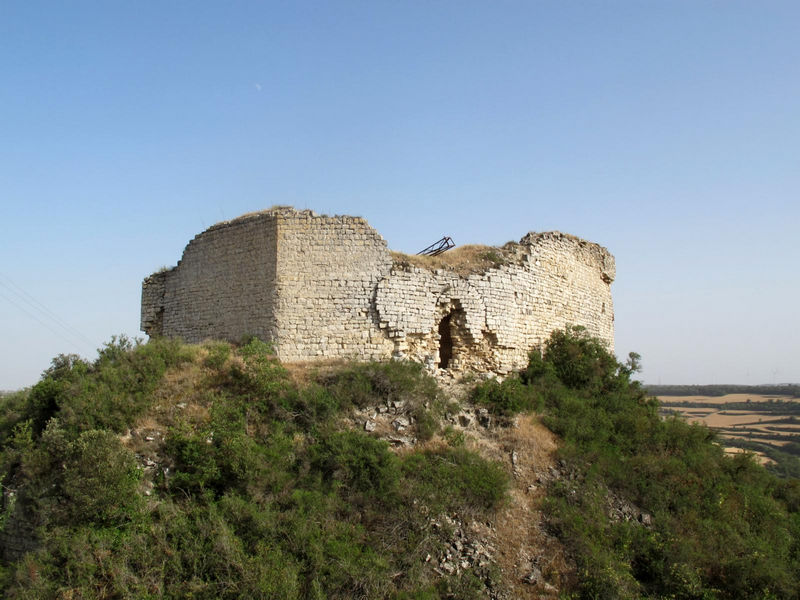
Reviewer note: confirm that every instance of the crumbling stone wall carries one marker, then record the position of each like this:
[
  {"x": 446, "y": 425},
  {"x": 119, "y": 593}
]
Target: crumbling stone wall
[
  {"x": 545, "y": 282},
  {"x": 323, "y": 287}
]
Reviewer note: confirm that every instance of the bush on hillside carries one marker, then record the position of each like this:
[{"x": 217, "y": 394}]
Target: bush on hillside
[
  {"x": 375, "y": 383},
  {"x": 472, "y": 483},
  {"x": 257, "y": 491},
  {"x": 711, "y": 526},
  {"x": 506, "y": 398}
]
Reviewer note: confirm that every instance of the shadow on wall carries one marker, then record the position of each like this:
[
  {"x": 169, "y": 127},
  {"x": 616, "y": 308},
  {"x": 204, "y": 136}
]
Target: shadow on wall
[
  {"x": 453, "y": 338},
  {"x": 445, "y": 341}
]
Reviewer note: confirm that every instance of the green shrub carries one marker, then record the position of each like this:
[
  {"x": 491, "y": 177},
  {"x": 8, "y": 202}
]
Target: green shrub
[
  {"x": 262, "y": 374},
  {"x": 60, "y": 480},
  {"x": 218, "y": 355},
  {"x": 465, "y": 586},
  {"x": 14, "y": 408},
  {"x": 359, "y": 463},
  {"x": 580, "y": 361},
  {"x": 100, "y": 479},
  {"x": 219, "y": 456},
  {"x": 426, "y": 423},
  {"x": 454, "y": 437},
  {"x": 52, "y": 391},
  {"x": 456, "y": 479},
  {"x": 311, "y": 406},
  {"x": 264, "y": 498},
  {"x": 111, "y": 392},
  {"x": 720, "y": 527},
  {"x": 507, "y": 398},
  {"x": 492, "y": 256},
  {"x": 371, "y": 384}
]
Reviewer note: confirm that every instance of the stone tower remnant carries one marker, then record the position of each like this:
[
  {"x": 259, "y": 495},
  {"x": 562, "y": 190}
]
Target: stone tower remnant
[{"x": 328, "y": 287}]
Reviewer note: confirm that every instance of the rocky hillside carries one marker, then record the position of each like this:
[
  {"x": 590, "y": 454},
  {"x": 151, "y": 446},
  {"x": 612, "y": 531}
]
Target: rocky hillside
[{"x": 213, "y": 471}]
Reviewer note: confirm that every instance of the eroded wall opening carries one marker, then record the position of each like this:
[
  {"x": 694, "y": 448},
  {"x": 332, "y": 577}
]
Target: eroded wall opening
[
  {"x": 450, "y": 339},
  {"x": 445, "y": 341}
]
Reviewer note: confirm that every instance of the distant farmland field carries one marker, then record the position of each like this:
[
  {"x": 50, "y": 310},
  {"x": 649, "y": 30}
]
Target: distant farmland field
[{"x": 765, "y": 424}]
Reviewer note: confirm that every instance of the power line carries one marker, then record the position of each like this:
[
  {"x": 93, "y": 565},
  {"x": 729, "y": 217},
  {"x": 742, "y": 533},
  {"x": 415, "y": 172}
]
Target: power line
[
  {"x": 43, "y": 315},
  {"x": 70, "y": 341},
  {"x": 34, "y": 303}
]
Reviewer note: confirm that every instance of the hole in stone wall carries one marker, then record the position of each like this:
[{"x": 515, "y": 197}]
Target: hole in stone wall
[{"x": 445, "y": 342}]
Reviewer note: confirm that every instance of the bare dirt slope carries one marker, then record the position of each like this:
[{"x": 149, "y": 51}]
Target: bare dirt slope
[{"x": 533, "y": 563}]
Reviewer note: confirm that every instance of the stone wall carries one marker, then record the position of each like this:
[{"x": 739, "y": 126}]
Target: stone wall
[
  {"x": 328, "y": 268},
  {"x": 223, "y": 287},
  {"x": 545, "y": 282},
  {"x": 327, "y": 287}
]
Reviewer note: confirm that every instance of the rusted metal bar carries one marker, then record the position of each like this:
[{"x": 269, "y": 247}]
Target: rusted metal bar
[{"x": 443, "y": 245}]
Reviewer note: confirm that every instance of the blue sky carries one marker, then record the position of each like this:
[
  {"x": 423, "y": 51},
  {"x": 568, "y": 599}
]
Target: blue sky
[{"x": 668, "y": 132}]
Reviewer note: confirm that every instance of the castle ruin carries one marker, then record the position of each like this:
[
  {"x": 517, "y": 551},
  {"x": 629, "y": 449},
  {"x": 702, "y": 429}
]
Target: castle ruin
[{"x": 328, "y": 287}]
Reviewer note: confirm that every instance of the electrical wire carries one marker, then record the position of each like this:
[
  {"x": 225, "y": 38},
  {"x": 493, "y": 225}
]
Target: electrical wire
[
  {"x": 37, "y": 311},
  {"x": 25, "y": 296}
]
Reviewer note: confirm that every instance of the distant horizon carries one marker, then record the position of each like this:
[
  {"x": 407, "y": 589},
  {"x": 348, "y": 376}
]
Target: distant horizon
[{"x": 726, "y": 384}]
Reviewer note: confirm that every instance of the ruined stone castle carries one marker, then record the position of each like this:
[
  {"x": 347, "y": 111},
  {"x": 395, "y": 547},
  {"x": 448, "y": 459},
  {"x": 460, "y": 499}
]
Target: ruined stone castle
[{"x": 328, "y": 287}]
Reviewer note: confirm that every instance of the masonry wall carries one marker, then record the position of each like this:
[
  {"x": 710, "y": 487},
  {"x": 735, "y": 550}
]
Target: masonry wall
[
  {"x": 222, "y": 288},
  {"x": 328, "y": 270},
  {"x": 546, "y": 282},
  {"x": 327, "y": 287}
]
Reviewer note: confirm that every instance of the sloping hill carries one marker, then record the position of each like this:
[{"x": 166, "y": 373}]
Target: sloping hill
[
  {"x": 213, "y": 471},
  {"x": 172, "y": 470}
]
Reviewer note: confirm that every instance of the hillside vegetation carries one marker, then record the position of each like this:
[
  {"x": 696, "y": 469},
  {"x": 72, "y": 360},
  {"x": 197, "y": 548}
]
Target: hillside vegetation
[
  {"x": 167, "y": 470},
  {"x": 652, "y": 507}
]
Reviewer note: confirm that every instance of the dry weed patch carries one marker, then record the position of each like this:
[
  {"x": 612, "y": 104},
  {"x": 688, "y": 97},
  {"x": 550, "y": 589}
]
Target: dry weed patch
[{"x": 464, "y": 260}]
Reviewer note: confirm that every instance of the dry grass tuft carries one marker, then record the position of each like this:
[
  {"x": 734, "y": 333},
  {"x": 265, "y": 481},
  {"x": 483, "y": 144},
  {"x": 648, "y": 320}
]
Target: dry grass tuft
[
  {"x": 464, "y": 260},
  {"x": 303, "y": 373}
]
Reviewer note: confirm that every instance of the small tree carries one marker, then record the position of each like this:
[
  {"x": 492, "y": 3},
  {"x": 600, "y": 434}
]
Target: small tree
[{"x": 581, "y": 361}]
